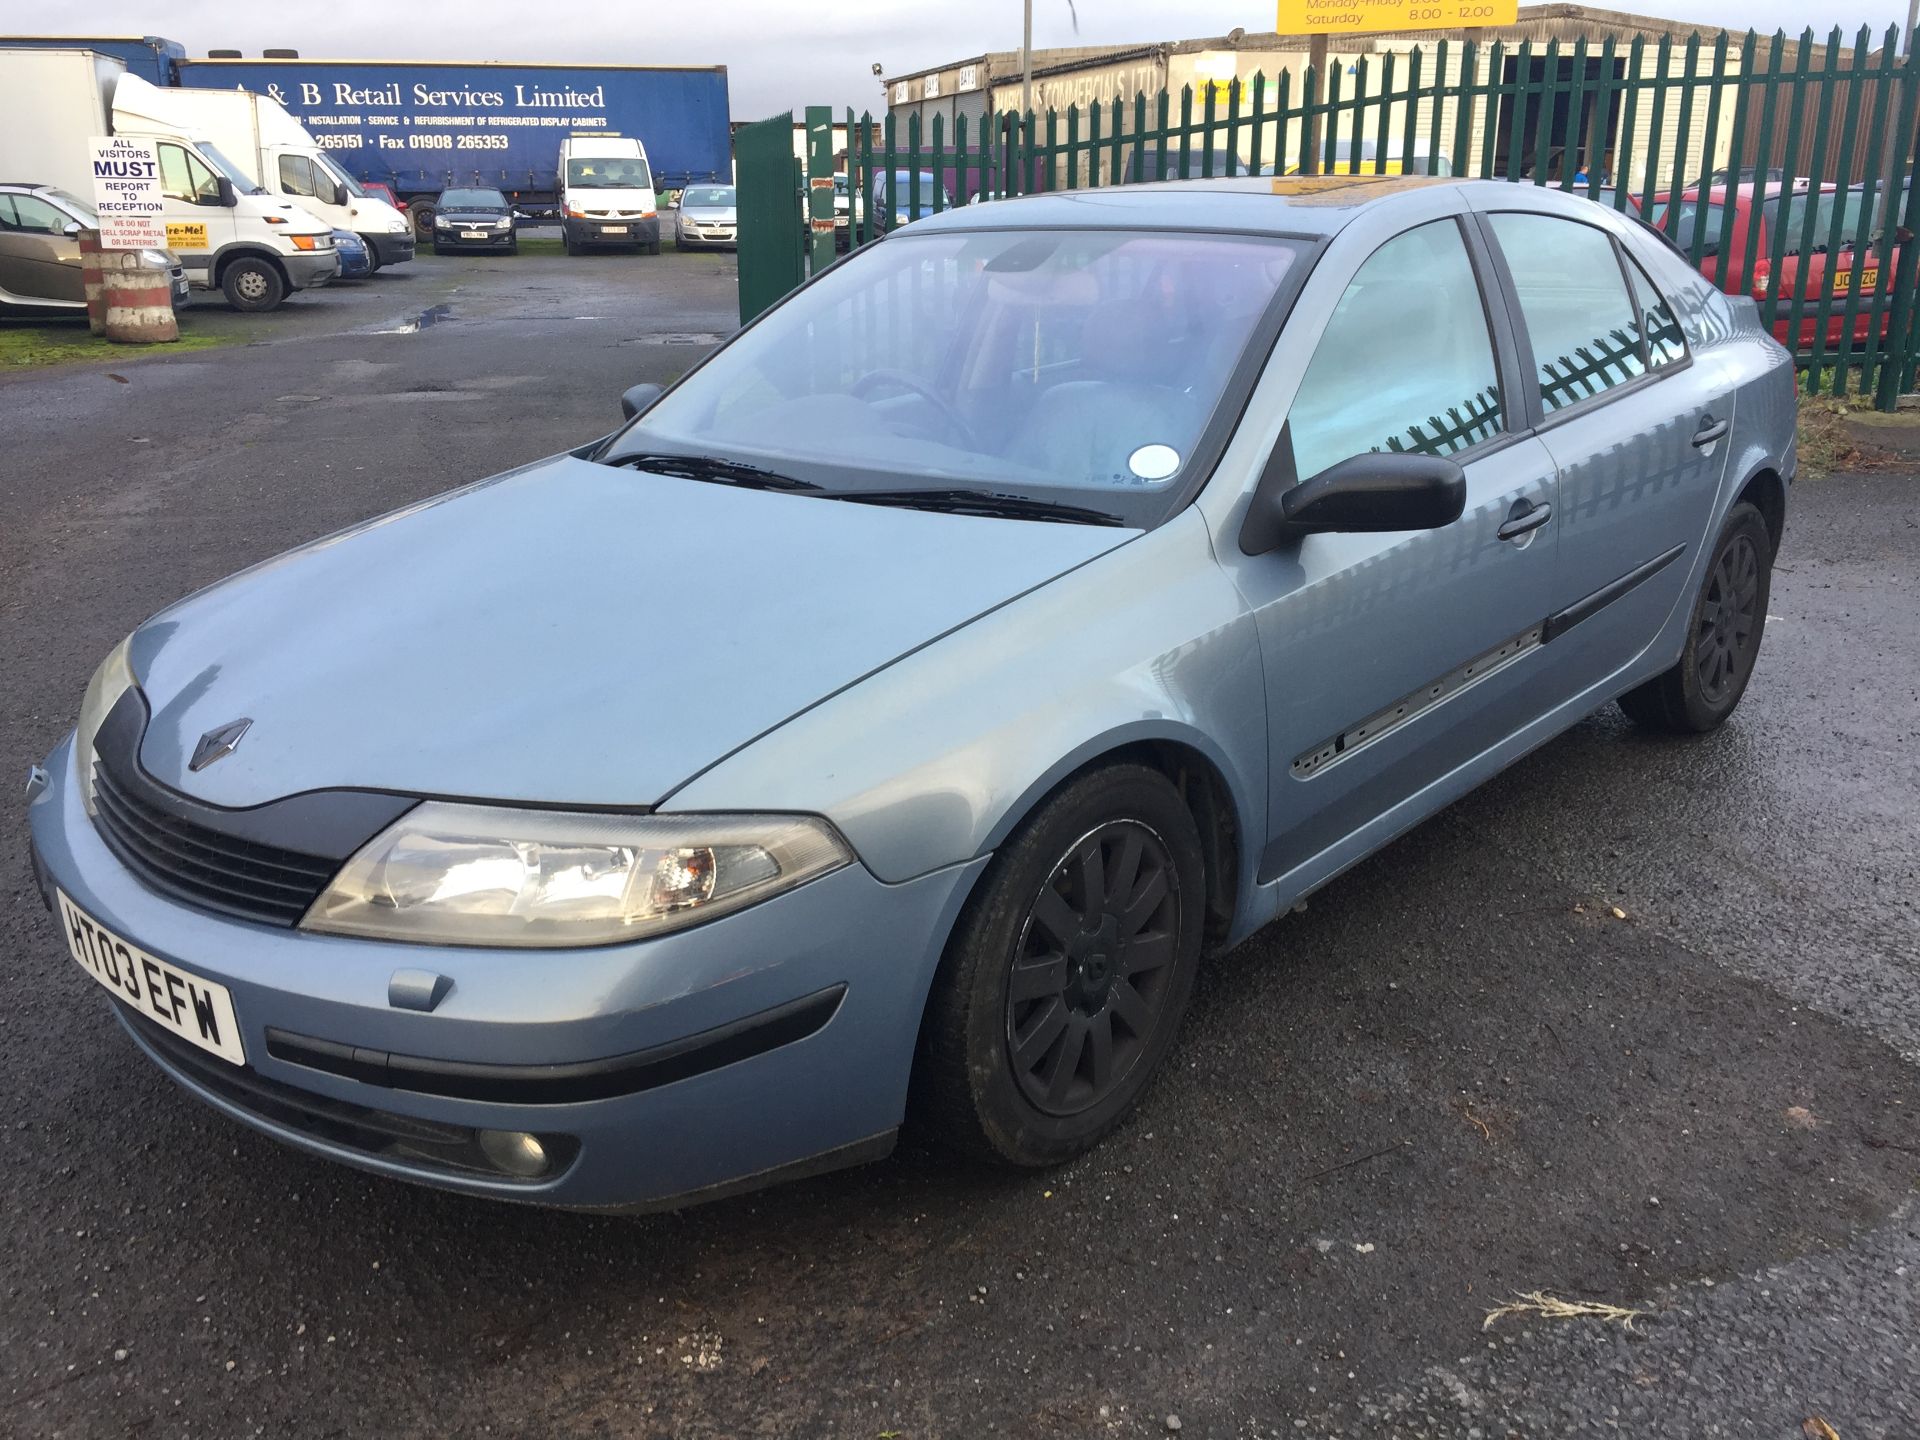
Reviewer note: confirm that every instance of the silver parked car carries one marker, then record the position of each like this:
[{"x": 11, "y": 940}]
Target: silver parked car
[
  {"x": 40, "y": 276},
  {"x": 893, "y": 715},
  {"x": 706, "y": 218}
]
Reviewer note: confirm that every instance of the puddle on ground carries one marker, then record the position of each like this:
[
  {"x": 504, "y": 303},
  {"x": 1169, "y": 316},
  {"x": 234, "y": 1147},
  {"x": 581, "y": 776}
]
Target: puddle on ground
[{"x": 426, "y": 319}]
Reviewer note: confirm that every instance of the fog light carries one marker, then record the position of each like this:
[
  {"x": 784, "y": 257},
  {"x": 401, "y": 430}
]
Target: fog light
[{"x": 515, "y": 1152}]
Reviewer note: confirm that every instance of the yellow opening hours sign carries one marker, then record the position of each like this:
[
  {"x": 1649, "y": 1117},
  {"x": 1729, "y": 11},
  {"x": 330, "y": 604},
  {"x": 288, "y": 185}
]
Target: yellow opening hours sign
[{"x": 1360, "y": 17}]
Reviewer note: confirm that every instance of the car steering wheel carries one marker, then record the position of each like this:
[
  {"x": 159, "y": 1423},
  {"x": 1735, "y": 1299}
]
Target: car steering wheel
[{"x": 956, "y": 422}]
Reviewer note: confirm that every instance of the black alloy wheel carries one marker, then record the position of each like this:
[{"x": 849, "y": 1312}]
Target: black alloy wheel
[
  {"x": 1728, "y": 629},
  {"x": 1094, "y": 968},
  {"x": 1062, "y": 985},
  {"x": 1722, "y": 644}
]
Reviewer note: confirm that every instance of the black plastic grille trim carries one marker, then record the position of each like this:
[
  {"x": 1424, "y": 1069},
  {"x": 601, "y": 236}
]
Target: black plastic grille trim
[{"x": 267, "y": 863}]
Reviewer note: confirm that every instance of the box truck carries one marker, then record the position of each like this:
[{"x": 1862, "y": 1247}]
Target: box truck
[
  {"x": 420, "y": 127},
  {"x": 257, "y": 131},
  {"x": 229, "y": 234}
]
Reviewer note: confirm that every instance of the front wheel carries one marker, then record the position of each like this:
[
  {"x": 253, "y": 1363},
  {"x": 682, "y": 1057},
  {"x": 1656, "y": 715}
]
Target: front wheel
[
  {"x": 1064, "y": 983},
  {"x": 652, "y": 247},
  {"x": 1723, "y": 635},
  {"x": 253, "y": 284}
]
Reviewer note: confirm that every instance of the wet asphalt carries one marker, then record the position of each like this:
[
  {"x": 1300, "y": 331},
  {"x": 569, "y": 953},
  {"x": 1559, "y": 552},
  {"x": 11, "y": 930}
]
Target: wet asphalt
[{"x": 1636, "y": 1023}]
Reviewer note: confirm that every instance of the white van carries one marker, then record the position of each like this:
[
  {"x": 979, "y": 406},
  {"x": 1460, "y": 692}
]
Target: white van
[
  {"x": 228, "y": 233},
  {"x": 257, "y": 131},
  {"x": 606, "y": 194}
]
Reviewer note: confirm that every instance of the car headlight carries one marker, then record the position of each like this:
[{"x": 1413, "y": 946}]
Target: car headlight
[
  {"x": 154, "y": 260},
  {"x": 441, "y": 222},
  {"x": 112, "y": 680},
  {"x": 452, "y": 874},
  {"x": 503, "y": 224}
]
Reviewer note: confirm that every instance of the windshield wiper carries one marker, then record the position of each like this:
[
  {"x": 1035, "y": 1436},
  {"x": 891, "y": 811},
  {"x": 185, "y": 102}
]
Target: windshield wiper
[
  {"x": 714, "y": 470},
  {"x": 972, "y": 502}
]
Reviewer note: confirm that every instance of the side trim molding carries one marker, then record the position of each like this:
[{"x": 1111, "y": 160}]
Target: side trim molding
[{"x": 1558, "y": 624}]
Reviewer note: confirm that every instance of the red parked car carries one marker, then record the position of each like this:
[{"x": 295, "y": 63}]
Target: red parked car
[{"x": 1765, "y": 208}]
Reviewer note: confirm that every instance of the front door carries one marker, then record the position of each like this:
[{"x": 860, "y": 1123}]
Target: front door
[
  {"x": 197, "y": 223},
  {"x": 1393, "y": 659},
  {"x": 39, "y": 261}
]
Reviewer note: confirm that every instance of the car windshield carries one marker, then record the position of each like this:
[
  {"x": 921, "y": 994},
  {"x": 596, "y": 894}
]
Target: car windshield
[
  {"x": 352, "y": 185},
  {"x": 472, "y": 200},
  {"x": 609, "y": 172},
  {"x": 902, "y": 182},
  {"x": 1078, "y": 368},
  {"x": 241, "y": 179},
  {"x": 707, "y": 195}
]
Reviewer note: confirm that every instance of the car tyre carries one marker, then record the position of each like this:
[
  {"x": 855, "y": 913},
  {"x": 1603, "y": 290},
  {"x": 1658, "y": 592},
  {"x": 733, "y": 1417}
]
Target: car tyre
[
  {"x": 253, "y": 284},
  {"x": 1723, "y": 635},
  {"x": 373, "y": 261},
  {"x": 1064, "y": 982},
  {"x": 652, "y": 247}
]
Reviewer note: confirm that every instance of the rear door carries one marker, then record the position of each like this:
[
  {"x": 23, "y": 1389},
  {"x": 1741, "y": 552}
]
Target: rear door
[
  {"x": 1636, "y": 424},
  {"x": 1393, "y": 659}
]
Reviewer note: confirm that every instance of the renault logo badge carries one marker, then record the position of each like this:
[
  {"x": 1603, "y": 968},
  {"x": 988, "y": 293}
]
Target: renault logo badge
[{"x": 216, "y": 744}]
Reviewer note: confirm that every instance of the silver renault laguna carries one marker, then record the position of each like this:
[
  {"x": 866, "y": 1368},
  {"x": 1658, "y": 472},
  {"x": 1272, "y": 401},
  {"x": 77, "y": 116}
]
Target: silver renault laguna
[{"x": 889, "y": 718}]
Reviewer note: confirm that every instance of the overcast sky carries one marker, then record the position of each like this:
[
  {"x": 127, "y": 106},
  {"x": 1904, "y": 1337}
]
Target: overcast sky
[{"x": 778, "y": 53}]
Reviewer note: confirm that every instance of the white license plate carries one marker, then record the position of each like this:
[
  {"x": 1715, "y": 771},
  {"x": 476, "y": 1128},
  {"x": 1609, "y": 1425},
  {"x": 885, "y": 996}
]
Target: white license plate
[
  {"x": 613, "y": 229},
  {"x": 198, "y": 1011},
  {"x": 473, "y": 234}
]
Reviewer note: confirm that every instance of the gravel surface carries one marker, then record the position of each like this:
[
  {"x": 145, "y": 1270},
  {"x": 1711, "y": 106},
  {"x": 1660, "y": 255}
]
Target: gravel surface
[{"x": 1457, "y": 1075}]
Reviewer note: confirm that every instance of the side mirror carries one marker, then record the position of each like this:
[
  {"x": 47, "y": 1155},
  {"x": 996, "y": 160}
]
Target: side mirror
[
  {"x": 639, "y": 397},
  {"x": 1382, "y": 491},
  {"x": 226, "y": 195},
  {"x": 71, "y": 228},
  {"x": 339, "y": 196}
]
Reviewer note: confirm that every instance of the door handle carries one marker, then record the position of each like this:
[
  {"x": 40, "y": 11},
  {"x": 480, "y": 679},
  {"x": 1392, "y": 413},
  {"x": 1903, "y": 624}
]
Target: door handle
[
  {"x": 1710, "y": 430},
  {"x": 1524, "y": 522}
]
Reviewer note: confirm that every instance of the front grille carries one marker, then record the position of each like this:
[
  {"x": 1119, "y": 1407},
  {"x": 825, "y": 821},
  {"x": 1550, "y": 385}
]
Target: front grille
[
  {"x": 266, "y": 863},
  {"x": 205, "y": 867}
]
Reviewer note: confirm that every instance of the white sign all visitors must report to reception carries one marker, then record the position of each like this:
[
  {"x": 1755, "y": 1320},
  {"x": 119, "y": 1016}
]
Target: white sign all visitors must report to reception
[{"x": 126, "y": 192}]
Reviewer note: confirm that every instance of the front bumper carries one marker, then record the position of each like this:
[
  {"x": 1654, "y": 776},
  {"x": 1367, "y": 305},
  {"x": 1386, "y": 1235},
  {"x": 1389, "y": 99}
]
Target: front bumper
[
  {"x": 310, "y": 269},
  {"x": 390, "y": 249},
  {"x": 612, "y": 231},
  {"x": 831, "y": 1088},
  {"x": 495, "y": 241},
  {"x": 710, "y": 237}
]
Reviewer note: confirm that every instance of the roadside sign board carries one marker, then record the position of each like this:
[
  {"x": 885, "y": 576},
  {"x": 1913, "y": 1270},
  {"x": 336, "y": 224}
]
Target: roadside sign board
[
  {"x": 126, "y": 192},
  {"x": 1359, "y": 17}
]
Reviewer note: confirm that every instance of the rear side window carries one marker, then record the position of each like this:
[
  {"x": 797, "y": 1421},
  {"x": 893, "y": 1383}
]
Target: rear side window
[
  {"x": 1665, "y": 345},
  {"x": 1406, "y": 362},
  {"x": 1574, "y": 301}
]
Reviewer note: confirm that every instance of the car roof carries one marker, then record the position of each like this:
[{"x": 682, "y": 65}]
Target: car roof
[{"x": 1312, "y": 205}]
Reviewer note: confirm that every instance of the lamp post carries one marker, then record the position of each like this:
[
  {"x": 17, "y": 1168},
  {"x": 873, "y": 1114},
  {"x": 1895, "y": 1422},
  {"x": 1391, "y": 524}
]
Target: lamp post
[{"x": 1026, "y": 63}]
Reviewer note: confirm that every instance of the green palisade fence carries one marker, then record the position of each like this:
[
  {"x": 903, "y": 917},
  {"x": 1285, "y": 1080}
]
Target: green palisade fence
[{"x": 1786, "y": 140}]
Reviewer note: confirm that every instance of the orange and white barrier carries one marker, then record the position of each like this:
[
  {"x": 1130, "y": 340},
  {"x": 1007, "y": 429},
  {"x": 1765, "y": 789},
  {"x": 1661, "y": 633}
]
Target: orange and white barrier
[{"x": 128, "y": 301}]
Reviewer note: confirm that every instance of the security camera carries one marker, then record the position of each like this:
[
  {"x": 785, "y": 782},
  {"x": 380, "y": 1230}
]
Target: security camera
[{"x": 876, "y": 68}]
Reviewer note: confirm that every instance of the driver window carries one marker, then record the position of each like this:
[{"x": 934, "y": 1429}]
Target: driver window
[
  {"x": 1406, "y": 362},
  {"x": 185, "y": 176},
  {"x": 296, "y": 175}
]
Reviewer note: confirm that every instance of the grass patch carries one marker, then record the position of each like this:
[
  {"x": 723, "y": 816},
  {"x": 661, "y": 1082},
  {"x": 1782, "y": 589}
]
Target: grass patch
[{"x": 30, "y": 347}]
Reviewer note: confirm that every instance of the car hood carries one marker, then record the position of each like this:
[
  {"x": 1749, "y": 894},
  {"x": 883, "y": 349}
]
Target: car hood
[
  {"x": 459, "y": 216},
  {"x": 568, "y": 632},
  {"x": 709, "y": 214}
]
